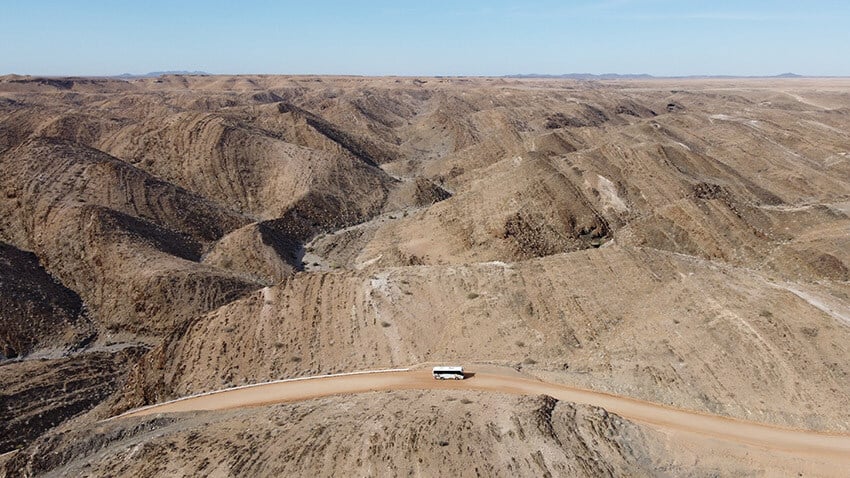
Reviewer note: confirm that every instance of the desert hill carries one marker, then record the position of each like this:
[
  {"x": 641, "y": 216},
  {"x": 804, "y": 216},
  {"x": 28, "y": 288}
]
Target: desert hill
[
  {"x": 38, "y": 311},
  {"x": 622, "y": 303},
  {"x": 597, "y": 444},
  {"x": 681, "y": 241}
]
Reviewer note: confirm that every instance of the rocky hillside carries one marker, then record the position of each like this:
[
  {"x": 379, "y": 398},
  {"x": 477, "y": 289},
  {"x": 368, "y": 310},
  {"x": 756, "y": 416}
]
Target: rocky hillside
[
  {"x": 408, "y": 432},
  {"x": 38, "y": 312}
]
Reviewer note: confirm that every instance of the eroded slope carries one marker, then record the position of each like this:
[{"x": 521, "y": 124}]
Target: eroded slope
[{"x": 684, "y": 242}]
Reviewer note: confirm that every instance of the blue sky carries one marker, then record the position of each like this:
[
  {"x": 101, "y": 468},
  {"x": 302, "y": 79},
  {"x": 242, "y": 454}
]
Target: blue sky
[{"x": 425, "y": 37}]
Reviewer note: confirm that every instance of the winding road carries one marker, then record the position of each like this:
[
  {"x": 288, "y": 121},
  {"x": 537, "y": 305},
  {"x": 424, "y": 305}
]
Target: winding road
[{"x": 832, "y": 447}]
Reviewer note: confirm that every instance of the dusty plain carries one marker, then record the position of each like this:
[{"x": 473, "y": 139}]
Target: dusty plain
[{"x": 680, "y": 242}]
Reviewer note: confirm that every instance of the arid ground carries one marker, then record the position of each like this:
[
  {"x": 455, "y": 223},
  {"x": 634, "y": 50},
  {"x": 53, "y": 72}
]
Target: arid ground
[{"x": 679, "y": 242}]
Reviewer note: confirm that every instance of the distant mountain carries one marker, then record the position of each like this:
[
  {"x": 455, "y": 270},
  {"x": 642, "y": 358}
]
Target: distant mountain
[
  {"x": 638, "y": 76},
  {"x": 585, "y": 76},
  {"x": 155, "y": 74}
]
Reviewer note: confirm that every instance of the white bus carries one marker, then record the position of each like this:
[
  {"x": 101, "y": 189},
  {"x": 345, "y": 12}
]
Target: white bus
[{"x": 448, "y": 373}]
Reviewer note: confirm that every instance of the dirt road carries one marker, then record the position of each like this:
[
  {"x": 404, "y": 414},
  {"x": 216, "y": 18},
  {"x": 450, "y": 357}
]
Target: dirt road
[{"x": 831, "y": 447}]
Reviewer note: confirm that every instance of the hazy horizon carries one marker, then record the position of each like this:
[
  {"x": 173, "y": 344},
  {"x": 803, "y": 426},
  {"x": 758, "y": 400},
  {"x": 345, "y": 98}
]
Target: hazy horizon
[
  {"x": 657, "y": 37},
  {"x": 607, "y": 75}
]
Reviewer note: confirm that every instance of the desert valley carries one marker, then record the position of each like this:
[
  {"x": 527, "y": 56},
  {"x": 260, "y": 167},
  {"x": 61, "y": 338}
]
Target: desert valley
[{"x": 683, "y": 243}]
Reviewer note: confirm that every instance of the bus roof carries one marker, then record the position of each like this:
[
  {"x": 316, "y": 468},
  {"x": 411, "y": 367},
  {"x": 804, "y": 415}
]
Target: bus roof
[{"x": 453, "y": 368}]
